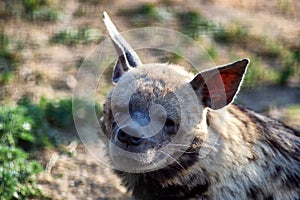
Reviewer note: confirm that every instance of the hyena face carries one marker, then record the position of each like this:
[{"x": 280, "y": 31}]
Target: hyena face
[
  {"x": 145, "y": 114},
  {"x": 156, "y": 111}
]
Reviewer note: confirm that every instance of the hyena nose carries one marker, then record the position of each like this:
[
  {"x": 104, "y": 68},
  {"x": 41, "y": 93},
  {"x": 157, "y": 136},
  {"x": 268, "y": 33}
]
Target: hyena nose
[{"x": 129, "y": 139}]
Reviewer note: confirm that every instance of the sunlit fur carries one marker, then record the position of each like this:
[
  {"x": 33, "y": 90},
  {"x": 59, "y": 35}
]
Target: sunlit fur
[{"x": 255, "y": 157}]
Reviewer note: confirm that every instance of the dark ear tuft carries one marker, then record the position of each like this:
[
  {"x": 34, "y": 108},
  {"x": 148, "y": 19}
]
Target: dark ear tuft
[
  {"x": 118, "y": 72},
  {"x": 218, "y": 86}
]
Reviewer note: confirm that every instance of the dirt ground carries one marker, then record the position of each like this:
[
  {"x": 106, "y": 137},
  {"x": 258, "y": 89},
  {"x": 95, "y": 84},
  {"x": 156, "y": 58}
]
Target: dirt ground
[{"x": 72, "y": 173}]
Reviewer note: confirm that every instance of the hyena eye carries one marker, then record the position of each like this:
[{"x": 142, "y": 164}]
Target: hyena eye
[{"x": 170, "y": 125}]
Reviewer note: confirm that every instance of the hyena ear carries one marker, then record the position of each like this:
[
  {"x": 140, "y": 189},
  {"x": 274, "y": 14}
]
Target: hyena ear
[
  {"x": 210, "y": 85},
  {"x": 127, "y": 56}
]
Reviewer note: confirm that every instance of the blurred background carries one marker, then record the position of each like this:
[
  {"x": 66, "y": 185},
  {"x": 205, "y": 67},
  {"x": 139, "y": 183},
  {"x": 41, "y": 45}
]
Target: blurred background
[{"x": 44, "y": 42}]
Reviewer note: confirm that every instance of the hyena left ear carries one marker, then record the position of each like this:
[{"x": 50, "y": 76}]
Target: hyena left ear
[
  {"x": 210, "y": 85},
  {"x": 127, "y": 56}
]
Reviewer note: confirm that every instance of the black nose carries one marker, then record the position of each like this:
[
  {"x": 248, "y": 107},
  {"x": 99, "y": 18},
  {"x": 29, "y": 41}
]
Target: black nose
[{"x": 128, "y": 139}]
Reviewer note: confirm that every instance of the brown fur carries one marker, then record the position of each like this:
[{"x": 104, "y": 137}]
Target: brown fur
[
  {"x": 255, "y": 157},
  {"x": 228, "y": 152}
]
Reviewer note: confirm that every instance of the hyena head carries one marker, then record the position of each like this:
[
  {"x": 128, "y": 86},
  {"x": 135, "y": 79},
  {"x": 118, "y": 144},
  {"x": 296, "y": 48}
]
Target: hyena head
[{"x": 156, "y": 112}]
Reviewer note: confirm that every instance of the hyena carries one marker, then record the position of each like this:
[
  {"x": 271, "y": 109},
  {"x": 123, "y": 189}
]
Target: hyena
[{"x": 253, "y": 157}]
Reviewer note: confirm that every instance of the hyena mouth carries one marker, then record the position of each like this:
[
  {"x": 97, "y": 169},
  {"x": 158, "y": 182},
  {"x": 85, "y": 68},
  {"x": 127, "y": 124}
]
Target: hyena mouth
[
  {"x": 148, "y": 158},
  {"x": 129, "y": 150},
  {"x": 133, "y": 146}
]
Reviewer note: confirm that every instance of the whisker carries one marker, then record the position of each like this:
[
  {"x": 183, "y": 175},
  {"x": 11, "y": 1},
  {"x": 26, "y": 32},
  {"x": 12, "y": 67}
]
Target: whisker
[
  {"x": 155, "y": 165},
  {"x": 180, "y": 145},
  {"x": 172, "y": 159},
  {"x": 209, "y": 146},
  {"x": 178, "y": 150}
]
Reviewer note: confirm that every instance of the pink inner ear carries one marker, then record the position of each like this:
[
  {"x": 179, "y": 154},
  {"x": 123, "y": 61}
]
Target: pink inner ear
[
  {"x": 221, "y": 84},
  {"x": 221, "y": 89}
]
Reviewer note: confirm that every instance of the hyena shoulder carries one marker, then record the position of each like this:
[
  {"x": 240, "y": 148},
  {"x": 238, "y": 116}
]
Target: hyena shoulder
[{"x": 260, "y": 156}]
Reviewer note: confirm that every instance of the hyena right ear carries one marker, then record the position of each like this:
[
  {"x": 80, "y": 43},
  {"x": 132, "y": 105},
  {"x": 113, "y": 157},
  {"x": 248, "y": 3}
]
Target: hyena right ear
[
  {"x": 127, "y": 56},
  {"x": 217, "y": 87}
]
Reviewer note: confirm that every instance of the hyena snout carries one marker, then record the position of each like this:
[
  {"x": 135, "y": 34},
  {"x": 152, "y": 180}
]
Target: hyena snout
[{"x": 128, "y": 135}]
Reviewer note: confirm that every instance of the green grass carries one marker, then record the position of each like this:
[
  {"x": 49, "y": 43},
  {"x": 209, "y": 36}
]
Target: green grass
[
  {"x": 212, "y": 52},
  {"x": 285, "y": 57},
  {"x": 33, "y": 5},
  {"x": 231, "y": 34},
  {"x": 146, "y": 14},
  {"x": 272, "y": 49},
  {"x": 257, "y": 74},
  {"x": 33, "y": 10},
  {"x": 192, "y": 24},
  {"x": 292, "y": 116},
  {"x": 21, "y": 131},
  {"x": 59, "y": 113},
  {"x": 294, "y": 110},
  {"x": 17, "y": 174},
  {"x": 73, "y": 36},
  {"x": 296, "y": 51},
  {"x": 41, "y": 10},
  {"x": 8, "y": 60},
  {"x": 143, "y": 15},
  {"x": 46, "y": 14},
  {"x": 236, "y": 34},
  {"x": 284, "y": 6},
  {"x": 25, "y": 128}
]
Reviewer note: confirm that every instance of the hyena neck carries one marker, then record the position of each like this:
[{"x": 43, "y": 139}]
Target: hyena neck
[{"x": 165, "y": 183}]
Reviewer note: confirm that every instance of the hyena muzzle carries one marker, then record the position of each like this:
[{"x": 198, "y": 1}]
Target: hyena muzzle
[{"x": 173, "y": 135}]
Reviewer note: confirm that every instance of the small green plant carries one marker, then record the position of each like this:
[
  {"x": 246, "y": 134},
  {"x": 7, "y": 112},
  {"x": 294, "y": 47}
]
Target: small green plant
[
  {"x": 81, "y": 11},
  {"x": 289, "y": 66},
  {"x": 143, "y": 15},
  {"x": 148, "y": 10},
  {"x": 72, "y": 36},
  {"x": 5, "y": 52},
  {"x": 16, "y": 127},
  {"x": 287, "y": 72},
  {"x": 212, "y": 52},
  {"x": 46, "y": 14},
  {"x": 284, "y": 6},
  {"x": 19, "y": 133},
  {"x": 272, "y": 49},
  {"x": 59, "y": 113},
  {"x": 40, "y": 10},
  {"x": 8, "y": 60},
  {"x": 234, "y": 33},
  {"x": 192, "y": 23},
  {"x": 25, "y": 128},
  {"x": 174, "y": 58},
  {"x": 296, "y": 51},
  {"x": 293, "y": 115},
  {"x": 257, "y": 74},
  {"x": 4, "y": 42},
  {"x": 17, "y": 174},
  {"x": 32, "y": 5},
  {"x": 6, "y": 77}
]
